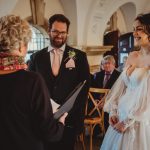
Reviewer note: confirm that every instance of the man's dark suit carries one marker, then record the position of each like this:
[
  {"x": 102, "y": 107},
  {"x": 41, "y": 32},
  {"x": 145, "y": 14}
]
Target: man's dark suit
[
  {"x": 67, "y": 79},
  {"x": 99, "y": 79},
  {"x": 97, "y": 82}
]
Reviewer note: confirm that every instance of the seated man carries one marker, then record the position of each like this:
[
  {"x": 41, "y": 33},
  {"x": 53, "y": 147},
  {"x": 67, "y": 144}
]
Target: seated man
[{"x": 105, "y": 79}]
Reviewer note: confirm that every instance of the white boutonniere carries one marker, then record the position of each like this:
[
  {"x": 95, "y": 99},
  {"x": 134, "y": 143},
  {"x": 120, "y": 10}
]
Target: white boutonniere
[
  {"x": 71, "y": 63},
  {"x": 71, "y": 54}
]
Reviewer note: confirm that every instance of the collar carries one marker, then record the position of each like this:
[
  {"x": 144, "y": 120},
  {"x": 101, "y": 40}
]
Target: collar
[
  {"x": 108, "y": 73},
  {"x": 50, "y": 48}
]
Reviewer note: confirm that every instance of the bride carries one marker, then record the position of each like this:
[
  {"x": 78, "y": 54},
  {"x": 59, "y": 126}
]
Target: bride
[{"x": 128, "y": 102}]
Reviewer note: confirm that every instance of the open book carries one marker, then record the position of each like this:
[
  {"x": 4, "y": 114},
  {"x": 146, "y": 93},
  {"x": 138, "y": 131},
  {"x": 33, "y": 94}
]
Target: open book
[
  {"x": 66, "y": 107},
  {"x": 55, "y": 105}
]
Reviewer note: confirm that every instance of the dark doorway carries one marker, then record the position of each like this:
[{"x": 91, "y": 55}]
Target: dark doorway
[{"x": 111, "y": 38}]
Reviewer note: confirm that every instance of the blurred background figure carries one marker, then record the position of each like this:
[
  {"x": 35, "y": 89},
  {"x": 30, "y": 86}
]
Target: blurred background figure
[{"x": 105, "y": 78}]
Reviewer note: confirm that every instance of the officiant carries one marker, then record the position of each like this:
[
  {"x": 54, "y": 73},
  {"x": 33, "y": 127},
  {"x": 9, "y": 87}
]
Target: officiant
[{"x": 63, "y": 68}]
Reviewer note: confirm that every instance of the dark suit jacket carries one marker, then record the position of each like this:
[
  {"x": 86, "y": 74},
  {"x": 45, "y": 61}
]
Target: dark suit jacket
[
  {"x": 67, "y": 79},
  {"x": 98, "y": 79}
]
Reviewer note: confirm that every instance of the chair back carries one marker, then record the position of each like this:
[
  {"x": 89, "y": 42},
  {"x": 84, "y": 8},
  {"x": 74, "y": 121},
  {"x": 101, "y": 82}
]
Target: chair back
[
  {"x": 92, "y": 105},
  {"x": 93, "y": 114}
]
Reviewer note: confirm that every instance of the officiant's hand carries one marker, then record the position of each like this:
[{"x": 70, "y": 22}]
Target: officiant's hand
[{"x": 63, "y": 117}]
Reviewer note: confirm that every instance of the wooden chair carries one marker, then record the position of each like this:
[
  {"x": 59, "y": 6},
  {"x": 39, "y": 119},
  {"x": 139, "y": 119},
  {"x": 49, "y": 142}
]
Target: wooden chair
[
  {"x": 91, "y": 121},
  {"x": 80, "y": 142}
]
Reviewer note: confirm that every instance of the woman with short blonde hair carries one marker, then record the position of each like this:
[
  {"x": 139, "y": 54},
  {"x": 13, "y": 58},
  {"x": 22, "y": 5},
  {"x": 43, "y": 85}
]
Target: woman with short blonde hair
[{"x": 26, "y": 117}]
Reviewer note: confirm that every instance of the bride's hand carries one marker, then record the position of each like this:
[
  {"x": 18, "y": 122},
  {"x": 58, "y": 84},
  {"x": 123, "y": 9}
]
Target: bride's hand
[
  {"x": 113, "y": 120},
  {"x": 120, "y": 127}
]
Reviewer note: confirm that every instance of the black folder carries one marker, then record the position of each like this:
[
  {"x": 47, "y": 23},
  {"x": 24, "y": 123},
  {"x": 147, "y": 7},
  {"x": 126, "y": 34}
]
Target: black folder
[{"x": 66, "y": 107}]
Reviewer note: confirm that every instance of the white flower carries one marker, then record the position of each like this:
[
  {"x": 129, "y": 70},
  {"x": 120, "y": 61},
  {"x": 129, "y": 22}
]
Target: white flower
[{"x": 71, "y": 54}]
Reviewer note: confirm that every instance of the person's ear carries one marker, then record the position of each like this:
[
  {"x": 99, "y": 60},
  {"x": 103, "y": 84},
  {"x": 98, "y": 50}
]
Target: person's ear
[
  {"x": 20, "y": 46},
  {"x": 20, "y": 50}
]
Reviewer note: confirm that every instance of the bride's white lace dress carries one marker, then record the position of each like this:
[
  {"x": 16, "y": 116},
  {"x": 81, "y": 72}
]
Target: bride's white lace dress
[{"x": 130, "y": 100}]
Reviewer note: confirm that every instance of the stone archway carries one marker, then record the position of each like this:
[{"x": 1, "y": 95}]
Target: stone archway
[{"x": 98, "y": 18}]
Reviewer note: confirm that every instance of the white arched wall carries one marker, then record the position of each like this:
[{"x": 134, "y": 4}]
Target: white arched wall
[
  {"x": 88, "y": 17},
  {"x": 22, "y": 8},
  {"x": 99, "y": 16},
  {"x": 129, "y": 13},
  {"x": 6, "y": 6},
  {"x": 76, "y": 11},
  {"x": 52, "y": 7},
  {"x": 70, "y": 10},
  {"x": 121, "y": 24}
]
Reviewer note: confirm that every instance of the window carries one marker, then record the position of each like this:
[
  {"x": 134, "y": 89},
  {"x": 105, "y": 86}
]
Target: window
[{"x": 39, "y": 40}]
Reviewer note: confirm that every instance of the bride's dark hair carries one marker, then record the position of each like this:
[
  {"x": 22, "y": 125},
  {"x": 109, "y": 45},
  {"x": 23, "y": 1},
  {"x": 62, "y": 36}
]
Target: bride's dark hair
[{"x": 144, "y": 19}]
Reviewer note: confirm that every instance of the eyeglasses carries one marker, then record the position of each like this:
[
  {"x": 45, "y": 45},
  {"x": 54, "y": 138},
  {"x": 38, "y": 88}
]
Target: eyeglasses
[{"x": 56, "y": 33}]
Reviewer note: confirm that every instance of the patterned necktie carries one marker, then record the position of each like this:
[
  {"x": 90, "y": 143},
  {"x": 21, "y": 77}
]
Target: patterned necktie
[
  {"x": 56, "y": 62},
  {"x": 107, "y": 76}
]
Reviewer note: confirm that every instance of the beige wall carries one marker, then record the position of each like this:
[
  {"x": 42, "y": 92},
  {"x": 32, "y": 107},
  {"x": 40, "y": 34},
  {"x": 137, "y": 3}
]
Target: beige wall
[
  {"x": 52, "y": 7},
  {"x": 22, "y": 8}
]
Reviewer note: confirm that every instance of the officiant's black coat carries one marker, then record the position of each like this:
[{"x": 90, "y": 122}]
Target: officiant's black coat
[{"x": 67, "y": 79}]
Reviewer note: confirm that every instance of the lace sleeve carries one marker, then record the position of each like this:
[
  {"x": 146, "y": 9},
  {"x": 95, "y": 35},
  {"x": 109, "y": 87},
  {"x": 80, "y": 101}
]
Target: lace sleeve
[
  {"x": 141, "y": 110},
  {"x": 118, "y": 89}
]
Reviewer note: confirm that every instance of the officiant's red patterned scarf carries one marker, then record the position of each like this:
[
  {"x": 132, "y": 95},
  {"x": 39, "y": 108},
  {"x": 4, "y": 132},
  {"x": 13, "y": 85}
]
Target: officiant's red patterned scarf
[{"x": 11, "y": 62}]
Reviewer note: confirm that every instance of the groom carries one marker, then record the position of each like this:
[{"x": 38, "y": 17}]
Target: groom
[{"x": 63, "y": 68}]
